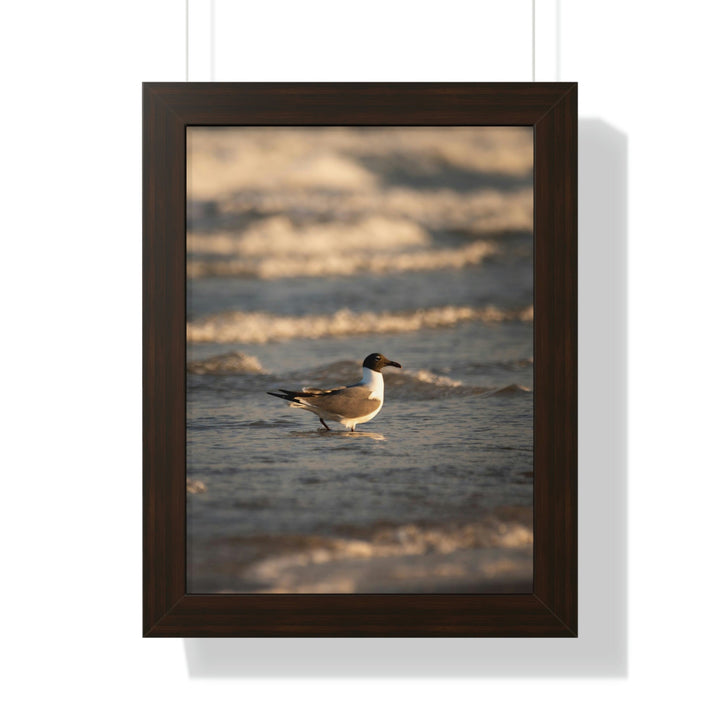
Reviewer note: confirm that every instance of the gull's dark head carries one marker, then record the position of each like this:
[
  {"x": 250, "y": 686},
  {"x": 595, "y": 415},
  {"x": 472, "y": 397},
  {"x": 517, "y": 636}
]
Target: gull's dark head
[{"x": 377, "y": 362}]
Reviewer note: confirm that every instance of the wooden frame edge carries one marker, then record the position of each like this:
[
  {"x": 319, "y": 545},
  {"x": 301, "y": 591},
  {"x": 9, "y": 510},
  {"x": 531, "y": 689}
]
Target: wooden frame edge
[{"x": 551, "y": 610}]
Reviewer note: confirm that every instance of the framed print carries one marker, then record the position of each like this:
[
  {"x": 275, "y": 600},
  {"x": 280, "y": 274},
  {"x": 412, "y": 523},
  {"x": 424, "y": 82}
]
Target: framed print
[{"x": 360, "y": 359}]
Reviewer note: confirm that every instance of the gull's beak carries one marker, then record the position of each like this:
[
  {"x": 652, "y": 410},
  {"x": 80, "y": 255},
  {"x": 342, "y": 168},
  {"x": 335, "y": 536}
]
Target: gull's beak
[{"x": 393, "y": 363}]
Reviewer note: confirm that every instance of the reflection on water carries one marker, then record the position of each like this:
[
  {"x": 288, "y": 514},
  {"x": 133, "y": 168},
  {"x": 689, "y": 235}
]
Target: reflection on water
[{"x": 334, "y": 434}]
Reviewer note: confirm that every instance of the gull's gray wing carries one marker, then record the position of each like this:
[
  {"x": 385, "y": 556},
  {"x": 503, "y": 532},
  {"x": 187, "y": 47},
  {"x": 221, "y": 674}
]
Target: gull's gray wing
[{"x": 350, "y": 402}]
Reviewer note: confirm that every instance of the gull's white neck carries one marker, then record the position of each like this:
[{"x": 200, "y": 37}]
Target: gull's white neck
[{"x": 373, "y": 380}]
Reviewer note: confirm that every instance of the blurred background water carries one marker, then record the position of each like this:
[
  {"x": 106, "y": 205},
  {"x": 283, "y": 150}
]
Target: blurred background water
[{"x": 308, "y": 249}]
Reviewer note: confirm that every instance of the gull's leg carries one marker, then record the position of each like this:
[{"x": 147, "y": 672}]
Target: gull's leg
[{"x": 323, "y": 422}]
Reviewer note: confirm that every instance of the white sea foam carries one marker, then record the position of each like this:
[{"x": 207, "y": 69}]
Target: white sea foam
[
  {"x": 425, "y": 376},
  {"x": 277, "y": 247},
  {"x": 477, "y": 211},
  {"x": 341, "y": 262},
  {"x": 232, "y": 363},
  {"x": 260, "y": 327},
  {"x": 194, "y": 487},
  {"x": 346, "y": 176},
  {"x": 277, "y": 236},
  {"x": 512, "y": 389},
  {"x": 492, "y": 550},
  {"x": 322, "y": 212},
  {"x": 226, "y": 160}
]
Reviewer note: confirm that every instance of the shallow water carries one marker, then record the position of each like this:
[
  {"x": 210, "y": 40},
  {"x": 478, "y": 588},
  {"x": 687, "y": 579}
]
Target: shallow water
[{"x": 291, "y": 284}]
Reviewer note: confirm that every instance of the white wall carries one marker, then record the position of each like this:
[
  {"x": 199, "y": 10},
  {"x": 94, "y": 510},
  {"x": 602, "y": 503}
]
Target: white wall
[{"x": 70, "y": 358}]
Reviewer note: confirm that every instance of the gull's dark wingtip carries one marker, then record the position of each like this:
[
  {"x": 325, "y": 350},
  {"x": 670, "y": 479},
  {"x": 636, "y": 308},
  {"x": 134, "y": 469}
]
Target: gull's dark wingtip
[{"x": 282, "y": 397}]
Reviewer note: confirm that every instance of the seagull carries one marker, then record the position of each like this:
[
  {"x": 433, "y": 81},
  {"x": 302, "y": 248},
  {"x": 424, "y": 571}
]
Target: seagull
[{"x": 349, "y": 404}]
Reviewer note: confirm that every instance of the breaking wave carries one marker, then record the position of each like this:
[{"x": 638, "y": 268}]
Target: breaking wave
[
  {"x": 343, "y": 260},
  {"x": 232, "y": 363},
  {"x": 480, "y": 211},
  {"x": 194, "y": 487},
  {"x": 494, "y": 550},
  {"x": 512, "y": 389},
  {"x": 277, "y": 235},
  {"x": 276, "y": 202},
  {"x": 228, "y": 160},
  {"x": 424, "y": 385},
  {"x": 260, "y": 327}
]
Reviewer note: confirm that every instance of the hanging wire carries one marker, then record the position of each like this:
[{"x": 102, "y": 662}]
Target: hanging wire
[
  {"x": 212, "y": 40},
  {"x": 557, "y": 41},
  {"x": 187, "y": 40},
  {"x": 533, "y": 40}
]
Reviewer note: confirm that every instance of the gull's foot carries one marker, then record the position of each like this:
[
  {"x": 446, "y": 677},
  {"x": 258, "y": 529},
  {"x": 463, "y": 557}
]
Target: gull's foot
[{"x": 325, "y": 424}]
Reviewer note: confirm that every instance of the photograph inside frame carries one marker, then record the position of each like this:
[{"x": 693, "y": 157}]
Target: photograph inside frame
[{"x": 359, "y": 360}]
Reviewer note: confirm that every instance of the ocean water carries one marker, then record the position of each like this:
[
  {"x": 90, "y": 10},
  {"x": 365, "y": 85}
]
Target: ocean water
[{"x": 309, "y": 249}]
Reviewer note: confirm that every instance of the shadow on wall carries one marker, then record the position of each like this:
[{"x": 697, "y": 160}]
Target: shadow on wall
[{"x": 601, "y": 649}]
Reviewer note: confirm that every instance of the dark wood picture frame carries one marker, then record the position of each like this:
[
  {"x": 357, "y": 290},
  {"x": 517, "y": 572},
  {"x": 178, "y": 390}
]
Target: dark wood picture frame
[{"x": 551, "y": 609}]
